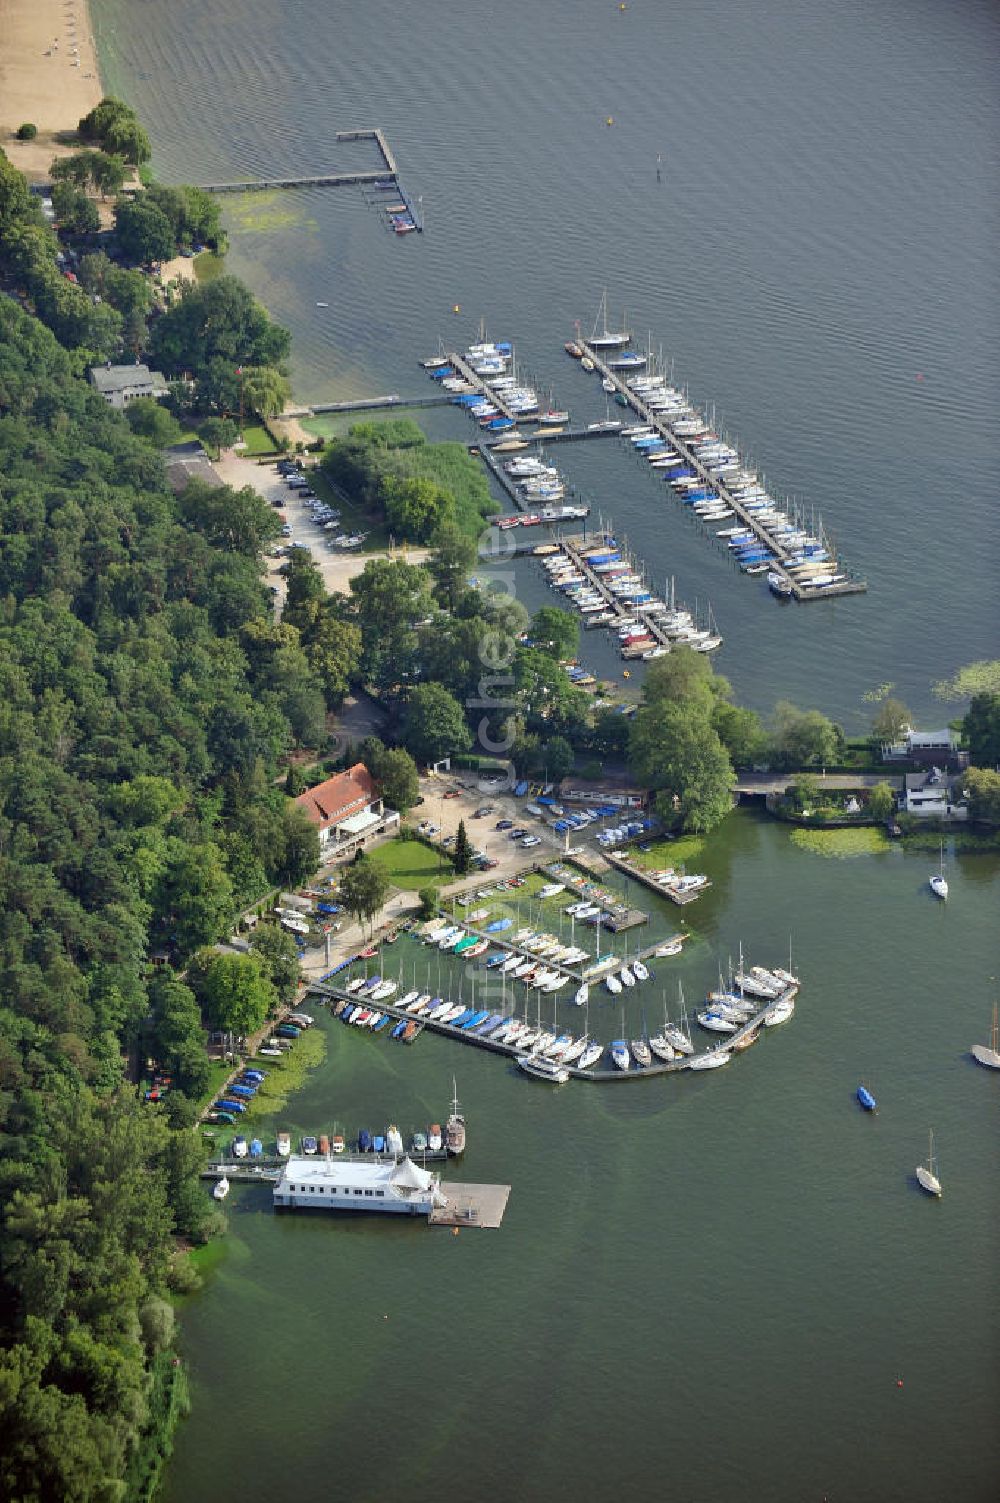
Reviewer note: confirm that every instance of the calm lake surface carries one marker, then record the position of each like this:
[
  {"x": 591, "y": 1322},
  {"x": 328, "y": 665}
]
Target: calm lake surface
[{"x": 704, "y": 1288}]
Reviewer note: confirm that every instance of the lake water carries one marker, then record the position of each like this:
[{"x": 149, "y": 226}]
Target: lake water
[{"x": 702, "y": 1287}]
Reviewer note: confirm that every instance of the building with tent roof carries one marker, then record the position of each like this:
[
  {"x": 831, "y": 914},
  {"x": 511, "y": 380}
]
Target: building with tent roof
[{"x": 335, "y": 1184}]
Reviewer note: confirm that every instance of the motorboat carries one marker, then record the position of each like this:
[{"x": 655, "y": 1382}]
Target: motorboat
[
  {"x": 865, "y": 1099},
  {"x": 590, "y": 1056},
  {"x": 639, "y": 971},
  {"x": 626, "y": 977},
  {"x": 613, "y": 984},
  {"x": 938, "y": 884},
  {"x": 284, "y": 1144},
  {"x": 221, "y": 1188},
  {"x": 581, "y": 994},
  {"x": 435, "y": 1137},
  {"x": 926, "y": 1176},
  {"x": 542, "y": 1068}
]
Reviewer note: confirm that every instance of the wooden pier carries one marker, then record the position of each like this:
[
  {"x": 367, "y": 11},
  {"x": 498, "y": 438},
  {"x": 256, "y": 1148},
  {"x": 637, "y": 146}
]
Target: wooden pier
[
  {"x": 324, "y": 991},
  {"x": 622, "y": 864},
  {"x": 471, "y": 1206},
  {"x": 661, "y": 425},
  {"x": 623, "y": 610},
  {"x": 383, "y": 176}
]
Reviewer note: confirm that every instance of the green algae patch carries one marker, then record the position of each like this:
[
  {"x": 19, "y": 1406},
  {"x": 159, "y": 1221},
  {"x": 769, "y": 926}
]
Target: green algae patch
[
  {"x": 285, "y": 1076},
  {"x": 842, "y": 844},
  {"x": 258, "y": 213},
  {"x": 975, "y": 678}
]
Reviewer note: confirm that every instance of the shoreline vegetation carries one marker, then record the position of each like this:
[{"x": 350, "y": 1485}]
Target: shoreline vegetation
[{"x": 151, "y": 704}]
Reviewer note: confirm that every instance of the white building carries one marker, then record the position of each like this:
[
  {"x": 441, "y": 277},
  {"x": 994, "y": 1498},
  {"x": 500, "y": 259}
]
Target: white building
[
  {"x": 121, "y": 384},
  {"x": 334, "y": 1184},
  {"x": 930, "y": 794}
]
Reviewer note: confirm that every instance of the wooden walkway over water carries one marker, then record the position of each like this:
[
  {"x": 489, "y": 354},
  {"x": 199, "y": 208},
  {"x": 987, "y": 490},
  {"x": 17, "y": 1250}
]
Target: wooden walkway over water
[
  {"x": 326, "y": 991},
  {"x": 661, "y": 425},
  {"x": 630, "y": 870}
]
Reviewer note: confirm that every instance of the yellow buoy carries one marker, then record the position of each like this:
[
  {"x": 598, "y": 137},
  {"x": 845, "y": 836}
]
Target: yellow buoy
[
  {"x": 456, "y": 308},
  {"x": 610, "y": 120}
]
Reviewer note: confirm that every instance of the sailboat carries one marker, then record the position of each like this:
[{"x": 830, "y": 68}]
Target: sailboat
[
  {"x": 221, "y": 1188},
  {"x": 938, "y": 885},
  {"x": 603, "y": 338},
  {"x": 988, "y": 1054},
  {"x": 926, "y": 1178},
  {"x": 455, "y": 1128}
]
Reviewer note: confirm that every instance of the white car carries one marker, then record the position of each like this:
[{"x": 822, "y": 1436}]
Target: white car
[{"x": 529, "y": 841}]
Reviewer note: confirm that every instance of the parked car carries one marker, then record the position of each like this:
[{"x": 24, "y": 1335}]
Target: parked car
[
  {"x": 504, "y": 824},
  {"x": 530, "y": 840}
]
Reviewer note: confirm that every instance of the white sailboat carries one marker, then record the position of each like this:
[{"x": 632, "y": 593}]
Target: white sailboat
[
  {"x": 938, "y": 884},
  {"x": 926, "y": 1177},
  {"x": 989, "y": 1054},
  {"x": 603, "y": 338},
  {"x": 221, "y": 1188}
]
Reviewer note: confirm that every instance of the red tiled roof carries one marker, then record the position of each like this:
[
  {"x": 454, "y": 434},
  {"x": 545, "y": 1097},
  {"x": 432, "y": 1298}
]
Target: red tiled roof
[{"x": 339, "y": 797}]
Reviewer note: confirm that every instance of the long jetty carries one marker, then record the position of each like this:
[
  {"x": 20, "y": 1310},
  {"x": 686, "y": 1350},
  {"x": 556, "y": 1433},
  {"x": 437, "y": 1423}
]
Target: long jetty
[
  {"x": 759, "y": 529},
  {"x": 622, "y": 612},
  {"x": 384, "y": 176},
  {"x": 324, "y": 991}
]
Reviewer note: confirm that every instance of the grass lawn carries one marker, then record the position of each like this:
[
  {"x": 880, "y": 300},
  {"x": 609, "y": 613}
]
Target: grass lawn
[
  {"x": 410, "y": 864},
  {"x": 664, "y": 853},
  {"x": 258, "y": 440}
]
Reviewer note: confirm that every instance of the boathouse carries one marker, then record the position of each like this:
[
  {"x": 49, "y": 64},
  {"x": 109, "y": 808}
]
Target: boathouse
[
  {"x": 347, "y": 811},
  {"x": 335, "y": 1184}
]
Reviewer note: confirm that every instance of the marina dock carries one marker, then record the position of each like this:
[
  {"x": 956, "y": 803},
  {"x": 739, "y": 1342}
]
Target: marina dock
[
  {"x": 629, "y": 869},
  {"x": 325, "y": 992},
  {"x": 662, "y": 426}
]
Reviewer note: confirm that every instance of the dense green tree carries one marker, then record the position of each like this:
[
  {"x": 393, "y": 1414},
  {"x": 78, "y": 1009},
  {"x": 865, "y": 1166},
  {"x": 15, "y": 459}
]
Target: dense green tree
[
  {"x": 675, "y": 750},
  {"x": 981, "y": 729},
  {"x": 804, "y": 738},
  {"x": 144, "y": 232},
  {"x": 399, "y": 783},
  {"x": 555, "y": 631},
  {"x": 266, "y": 390},
  {"x": 364, "y": 888},
  {"x": 178, "y": 1036},
  {"x": 107, "y": 173},
  {"x": 235, "y": 991},
  {"x": 74, "y": 211},
  {"x": 194, "y": 215},
  {"x": 982, "y": 786},
  {"x": 461, "y": 851},
  {"x": 298, "y": 853},
  {"x": 218, "y": 433},
  {"x": 217, "y": 321},
  {"x": 390, "y": 598},
  {"x": 416, "y": 508},
  {"x": 150, "y": 419},
  {"x": 27, "y": 131},
  {"x": 741, "y": 733},
  {"x": 429, "y": 900},
  {"x": 610, "y": 734},
  {"x": 276, "y": 950},
  {"x": 882, "y": 802},
  {"x": 193, "y": 898},
  {"x": 127, "y": 139},
  {"x": 434, "y": 725},
  {"x": 453, "y": 557},
  {"x": 238, "y": 521},
  {"x": 77, "y": 168}
]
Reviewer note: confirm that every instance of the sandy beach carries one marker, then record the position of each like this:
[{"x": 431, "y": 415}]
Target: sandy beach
[{"x": 48, "y": 76}]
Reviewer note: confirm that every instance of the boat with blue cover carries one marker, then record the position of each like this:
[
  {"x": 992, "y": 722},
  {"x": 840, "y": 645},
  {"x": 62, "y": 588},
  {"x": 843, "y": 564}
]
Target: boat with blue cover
[
  {"x": 364, "y": 1140},
  {"x": 866, "y": 1099},
  {"x": 397, "y": 1032}
]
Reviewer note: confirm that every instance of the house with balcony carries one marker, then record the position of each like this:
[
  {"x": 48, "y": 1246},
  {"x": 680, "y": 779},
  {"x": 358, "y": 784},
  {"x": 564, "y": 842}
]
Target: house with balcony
[{"x": 348, "y": 812}]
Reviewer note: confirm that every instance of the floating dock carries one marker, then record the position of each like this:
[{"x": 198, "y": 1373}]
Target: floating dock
[
  {"x": 628, "y": 869},
  {"x": 471, "y": 1205},
  {"x": 662, "y": 426},
  {"x": 511, "y": 1051}
]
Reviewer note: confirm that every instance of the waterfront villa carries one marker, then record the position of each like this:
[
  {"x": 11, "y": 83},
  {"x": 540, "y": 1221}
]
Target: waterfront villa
[
  {"x": 121, "y": 384},
  {"x": 347, "y": 811},
  {"x": 931, "y": 794},
  {"x": 926, "y": 748},
  {"x": 333, "y": 1184}
]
